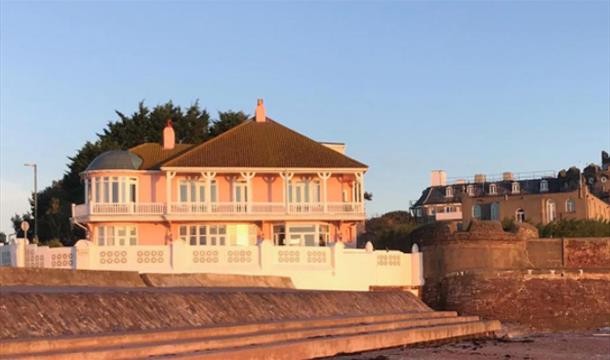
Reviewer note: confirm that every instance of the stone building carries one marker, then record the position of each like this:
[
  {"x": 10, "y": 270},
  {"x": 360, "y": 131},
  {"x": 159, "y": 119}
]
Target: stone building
[{"x": 539, "y": 200}]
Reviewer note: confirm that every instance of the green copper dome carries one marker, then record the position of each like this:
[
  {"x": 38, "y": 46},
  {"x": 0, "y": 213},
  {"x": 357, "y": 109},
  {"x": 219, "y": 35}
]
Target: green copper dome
[{"x": 115, "y": 160}]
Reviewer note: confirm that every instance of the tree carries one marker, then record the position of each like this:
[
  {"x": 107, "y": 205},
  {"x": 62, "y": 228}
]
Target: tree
[
  {"x": 227, "y": 120},
  {"x": 389, "y": 231},
  {"x": 192, "y": 125}
]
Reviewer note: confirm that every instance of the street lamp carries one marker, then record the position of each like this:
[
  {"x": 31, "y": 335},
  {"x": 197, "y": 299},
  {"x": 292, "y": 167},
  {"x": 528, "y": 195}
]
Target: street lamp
[{"x": 35, "y": 200}]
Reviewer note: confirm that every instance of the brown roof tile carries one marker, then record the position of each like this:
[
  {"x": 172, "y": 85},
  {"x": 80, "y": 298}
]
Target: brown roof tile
[
  {"x": 153, "y": 154},
  {"x": 262, "y": 145}
]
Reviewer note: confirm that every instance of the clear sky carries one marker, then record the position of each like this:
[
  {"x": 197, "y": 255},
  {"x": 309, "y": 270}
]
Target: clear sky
[{"x": 469, "y": 87}]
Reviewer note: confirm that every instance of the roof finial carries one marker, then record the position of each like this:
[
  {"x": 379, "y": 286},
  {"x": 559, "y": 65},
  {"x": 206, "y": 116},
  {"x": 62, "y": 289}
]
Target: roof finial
[{"x": 260, "y": 111}]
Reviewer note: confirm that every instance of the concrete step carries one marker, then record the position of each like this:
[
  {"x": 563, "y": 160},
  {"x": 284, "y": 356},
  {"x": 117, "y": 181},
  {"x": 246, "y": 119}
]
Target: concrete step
[
  {"x": 185, "y": 343},
  {"x": 72, "y": 343},
  {"x": 346, "y": 344}
]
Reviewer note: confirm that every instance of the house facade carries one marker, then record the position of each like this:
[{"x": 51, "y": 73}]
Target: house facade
[
  {"x": 538, "y": 200},
  {"x": 257, "y": 181}
]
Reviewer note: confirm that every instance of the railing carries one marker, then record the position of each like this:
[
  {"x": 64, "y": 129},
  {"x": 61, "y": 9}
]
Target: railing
[{"x": 217, "y": 208}]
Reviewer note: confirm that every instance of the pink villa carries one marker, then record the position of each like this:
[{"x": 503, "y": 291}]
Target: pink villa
[{"x": 257, "y": 181}]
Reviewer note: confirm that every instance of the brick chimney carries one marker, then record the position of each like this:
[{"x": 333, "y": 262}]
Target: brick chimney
[
  {"x": 169, "y": 136},
  {"x": 260, "y": 111}
]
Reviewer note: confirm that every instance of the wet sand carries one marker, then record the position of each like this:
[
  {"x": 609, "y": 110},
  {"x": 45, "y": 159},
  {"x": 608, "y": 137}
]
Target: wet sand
[{"x": 584, "y": 345}]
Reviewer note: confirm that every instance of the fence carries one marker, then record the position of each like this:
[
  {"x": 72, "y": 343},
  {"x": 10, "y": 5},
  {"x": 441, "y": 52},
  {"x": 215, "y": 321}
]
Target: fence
[{"x": 321, "y": 268}]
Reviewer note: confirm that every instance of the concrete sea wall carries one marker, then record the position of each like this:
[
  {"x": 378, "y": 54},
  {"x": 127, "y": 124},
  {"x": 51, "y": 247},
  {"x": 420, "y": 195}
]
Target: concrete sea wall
[{"x": 37, "y": 312}]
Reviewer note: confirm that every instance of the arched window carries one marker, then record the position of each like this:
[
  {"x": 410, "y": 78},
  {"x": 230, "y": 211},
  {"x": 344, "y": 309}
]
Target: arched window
[
  {"x": 495, "y": 211},
  {"x": 493, "y": 189},
  {"x": 449, "y": 191},
  {"x": 544, "y": 186},
  {"x": 551, "y": 210},
  {"x": 570, "y": 206},
  {"x": 516, "y": 188},
  {"x": 520, "y": 216},
  {"x": 476, "y": 211}
]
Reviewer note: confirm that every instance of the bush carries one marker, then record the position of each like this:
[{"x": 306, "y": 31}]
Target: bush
[
  {"x": 575, "y": 228},
  {"x": 54, "y": 243}
]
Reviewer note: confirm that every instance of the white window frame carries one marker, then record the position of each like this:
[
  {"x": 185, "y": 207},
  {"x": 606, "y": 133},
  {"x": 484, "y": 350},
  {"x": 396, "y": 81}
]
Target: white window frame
[
  {"x": 570, "y": 206},
  {"x": 551, "y": 210},
  {"x": 109, "y": 188},
  {"x": 110, "y": 235},
  {"x": 544, "y": 186},
  {"x": 516, "y": 188},
  {"x": 449, "y": 191},
  {"x": 493, "y": 189},
  {"x": 470, "y": 190},
  {"x": 198, "y": 196},
  {"x": 320, "y": 236},
  {"x": 520, "y": 216},
  {"x": 204, "y": 234}
]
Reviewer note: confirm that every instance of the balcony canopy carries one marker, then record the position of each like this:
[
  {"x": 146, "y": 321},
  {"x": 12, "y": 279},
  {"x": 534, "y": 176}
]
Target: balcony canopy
[{"x": 115, "y": 160}]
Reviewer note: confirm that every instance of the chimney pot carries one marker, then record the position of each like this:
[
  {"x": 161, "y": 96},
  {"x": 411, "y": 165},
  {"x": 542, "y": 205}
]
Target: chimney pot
[
  {"x": 169, "y": 136},
  {"x": 260, "y": 111}
]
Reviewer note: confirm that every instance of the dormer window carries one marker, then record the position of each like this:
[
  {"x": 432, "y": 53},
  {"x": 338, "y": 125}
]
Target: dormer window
[
  {"x": 516, "y": 188},
  {"x": 493, "y": 190},
  {"x": 449, "y": 191},
  {"x": 544, "y": 186},
  {"x": 470, "y": 190}
]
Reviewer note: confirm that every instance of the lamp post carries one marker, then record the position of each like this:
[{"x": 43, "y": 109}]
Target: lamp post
[{"x": 33, "y": 165}]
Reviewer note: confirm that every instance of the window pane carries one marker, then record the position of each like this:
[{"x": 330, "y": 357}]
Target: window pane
[
  {"x": 222, "y": 229},
  {"x": 115, "y": 190},
  {"x": 213, "y": 230},
  {"x": 101, "y": 237},
  {"x": 183, "y": 192},
  {"x": 213, "y": 192},
  {"x": 132, "y": 192},
  {"x": 201, "y": 193},
  {"x": 193, "y": 192},
  {"x": 106, "y": 190}
]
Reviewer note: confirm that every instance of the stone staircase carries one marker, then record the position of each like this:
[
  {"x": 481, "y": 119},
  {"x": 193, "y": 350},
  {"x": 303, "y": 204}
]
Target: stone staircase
[{"x": 295, "y": 339}]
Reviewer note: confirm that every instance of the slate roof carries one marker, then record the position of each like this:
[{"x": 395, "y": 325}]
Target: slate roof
[
  {"x": 262, "y": 145},
  {"x": 153, "y": 154},
  {"x": 436, "y": 194}
]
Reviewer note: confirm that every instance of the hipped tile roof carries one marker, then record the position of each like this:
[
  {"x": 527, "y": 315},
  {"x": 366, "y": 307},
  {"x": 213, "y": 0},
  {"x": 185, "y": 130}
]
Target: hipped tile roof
[
  {"x": 153, "y": 154},
  {"x": 265, "y": 144}
]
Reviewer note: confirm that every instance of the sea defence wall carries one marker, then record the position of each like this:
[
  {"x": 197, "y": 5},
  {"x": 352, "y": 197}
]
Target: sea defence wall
[
  {"x": 556, "y": 284},
  {"x": 46, "y": 312},
  {"x": 541, "y": 300}
]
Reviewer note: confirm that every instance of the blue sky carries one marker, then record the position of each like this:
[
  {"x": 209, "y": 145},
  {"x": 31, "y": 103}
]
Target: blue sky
[{"x": 469, "y": 87}]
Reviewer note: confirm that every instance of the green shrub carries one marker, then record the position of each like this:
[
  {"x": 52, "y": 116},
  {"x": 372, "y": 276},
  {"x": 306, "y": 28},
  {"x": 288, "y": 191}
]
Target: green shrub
[
  {"x": 575, "y": 228},
  {"x": 54, "y": 243}
]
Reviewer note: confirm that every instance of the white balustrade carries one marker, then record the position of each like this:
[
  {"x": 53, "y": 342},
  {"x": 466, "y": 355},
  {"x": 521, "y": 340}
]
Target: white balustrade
[
  {"x": 219, "y": 208},
  {"x": 324, "y": 268}
]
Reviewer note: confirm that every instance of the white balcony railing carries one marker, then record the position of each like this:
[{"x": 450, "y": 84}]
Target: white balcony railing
[{"x": 217, "y": 208}]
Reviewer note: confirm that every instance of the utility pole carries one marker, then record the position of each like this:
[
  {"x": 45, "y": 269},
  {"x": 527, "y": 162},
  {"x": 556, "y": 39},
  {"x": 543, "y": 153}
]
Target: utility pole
[{"x": 33, "y": 165}]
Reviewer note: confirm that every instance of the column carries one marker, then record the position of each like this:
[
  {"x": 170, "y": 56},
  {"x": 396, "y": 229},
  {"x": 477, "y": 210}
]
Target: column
[
  {"x": 360, "y": 179},
  {"x": 248, "y": 177},
  {"x": 168, "y": 190},
  {"x": 324, "y": 176},
  {"x": 208, "y": 176},
  {"x": 286, "y": 176}
]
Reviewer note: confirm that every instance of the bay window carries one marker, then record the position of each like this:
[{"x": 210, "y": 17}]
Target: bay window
[{"x": 112, "y": 189}]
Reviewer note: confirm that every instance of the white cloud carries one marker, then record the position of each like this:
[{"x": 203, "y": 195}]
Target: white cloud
[{"x": 13, "y": 199}]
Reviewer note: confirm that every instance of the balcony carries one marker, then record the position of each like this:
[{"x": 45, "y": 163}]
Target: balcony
[
  {"x": 217, "y": 209},
  {"x": 448, "y": 216}
]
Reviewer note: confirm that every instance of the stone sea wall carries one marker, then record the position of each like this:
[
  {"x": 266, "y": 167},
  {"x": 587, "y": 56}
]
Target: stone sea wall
[{"x": 541, "y": 300}]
